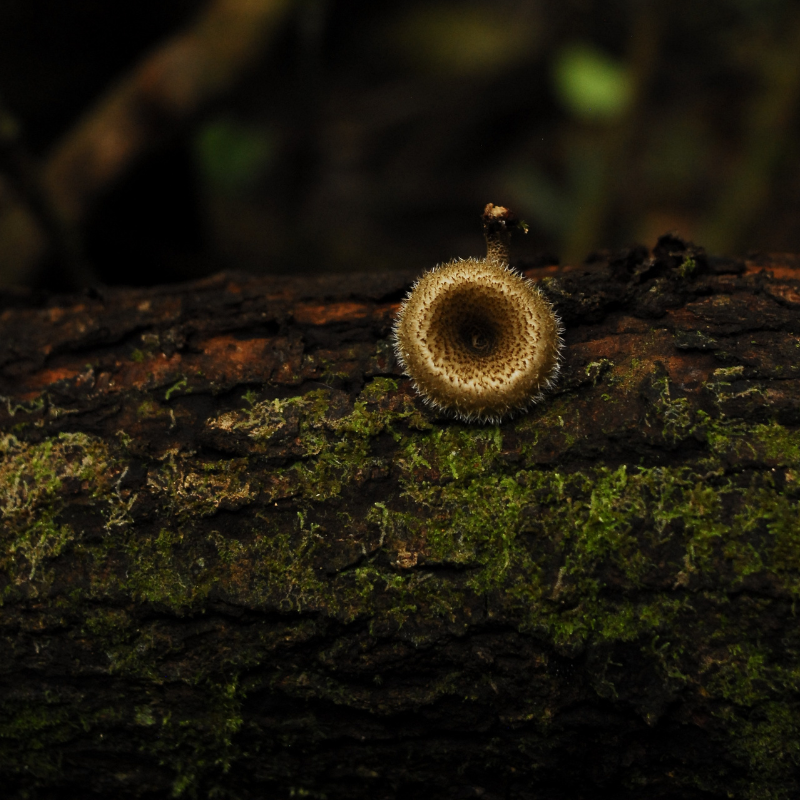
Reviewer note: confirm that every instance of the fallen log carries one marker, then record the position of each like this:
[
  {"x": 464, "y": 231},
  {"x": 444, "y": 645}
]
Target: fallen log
[{"x": 241, "y": 559}]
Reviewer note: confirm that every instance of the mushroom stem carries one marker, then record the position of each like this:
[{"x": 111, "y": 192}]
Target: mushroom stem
[{"x": 498, "y": 223}]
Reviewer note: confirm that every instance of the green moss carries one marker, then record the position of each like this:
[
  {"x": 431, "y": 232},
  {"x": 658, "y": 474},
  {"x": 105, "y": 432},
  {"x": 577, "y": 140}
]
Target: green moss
[
  {"x": 198, "y": 748},
  {"x": 594, "y": 524},
  {"x": 189, "y": 489},
  {"x": 29, "y": 734},
  {"x": 161, "y": 571},
  {"x": 149, "y": 409},
  {"x": 596, "y": 369},
  {"x": 32, "y": 407},
  {"x": 378, "y": 389},
  {"x": 262, "y": 421},
  {"x": 576, "y": 556},
  {"x": 33, "y": 480},
  {"x": 457, "y": 452},
  {"x": 178, "y": 386},
  {"x": 596, "y": 518},
  {"x": 687, "y": 267},
  {"x": 769, "y": 743},
  {"x": 673, "y": 415},
  {"x": 334, "y": 449},
  {"x": 725, "y": 373}
]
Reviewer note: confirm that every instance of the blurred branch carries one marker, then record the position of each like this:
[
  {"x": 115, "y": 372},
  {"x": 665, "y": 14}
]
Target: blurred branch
[
  {"x": 21, "y": 171},
  {"x": 143, "y": 110},
  {"x": 769, "y": 122}
]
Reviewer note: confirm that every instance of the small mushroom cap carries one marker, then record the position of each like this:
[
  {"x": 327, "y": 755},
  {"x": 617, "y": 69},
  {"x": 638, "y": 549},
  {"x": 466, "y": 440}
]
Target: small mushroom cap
[{"x": 478, "y": 339}]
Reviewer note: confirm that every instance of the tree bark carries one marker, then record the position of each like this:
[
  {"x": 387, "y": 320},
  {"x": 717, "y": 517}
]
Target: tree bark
[{"x": 241, "y": 559}]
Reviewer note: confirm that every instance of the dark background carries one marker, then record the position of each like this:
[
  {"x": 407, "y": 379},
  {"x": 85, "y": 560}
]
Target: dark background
[{"x": 369, "y": 136}]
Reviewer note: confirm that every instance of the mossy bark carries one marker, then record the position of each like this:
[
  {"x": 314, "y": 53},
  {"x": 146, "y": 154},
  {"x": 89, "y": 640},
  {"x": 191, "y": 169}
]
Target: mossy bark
[{"x": 240, "y": 558}]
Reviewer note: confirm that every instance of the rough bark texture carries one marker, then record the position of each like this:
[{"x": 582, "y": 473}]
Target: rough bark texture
[{"x": 240, "y": 559}]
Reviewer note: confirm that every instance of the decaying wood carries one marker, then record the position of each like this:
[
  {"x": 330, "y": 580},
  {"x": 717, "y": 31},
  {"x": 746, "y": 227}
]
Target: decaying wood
[{"x": 240, "y": 559}]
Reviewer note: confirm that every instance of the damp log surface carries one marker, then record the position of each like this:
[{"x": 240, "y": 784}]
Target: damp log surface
[{"x": 240, "y": 559}]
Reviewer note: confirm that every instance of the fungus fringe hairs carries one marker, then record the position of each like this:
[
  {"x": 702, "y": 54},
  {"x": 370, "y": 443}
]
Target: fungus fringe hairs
[{"x": 479, "y": 340}]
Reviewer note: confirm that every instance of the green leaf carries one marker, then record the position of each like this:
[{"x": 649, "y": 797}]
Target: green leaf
[
  {"x": 591, "y": 84},
  {"x": 232, "y": 156}
]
